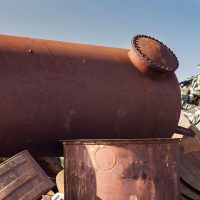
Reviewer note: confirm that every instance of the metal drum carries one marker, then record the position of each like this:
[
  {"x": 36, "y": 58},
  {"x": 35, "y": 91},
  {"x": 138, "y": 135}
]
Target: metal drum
[{"x": 122, "y": 169}]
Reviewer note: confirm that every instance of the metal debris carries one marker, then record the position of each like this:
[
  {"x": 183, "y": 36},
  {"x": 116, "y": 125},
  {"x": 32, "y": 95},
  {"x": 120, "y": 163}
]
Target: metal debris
[{"x": 22, "y": 178}]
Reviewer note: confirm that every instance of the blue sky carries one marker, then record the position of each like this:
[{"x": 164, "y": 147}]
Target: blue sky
[{"x": 110, "y": 23}]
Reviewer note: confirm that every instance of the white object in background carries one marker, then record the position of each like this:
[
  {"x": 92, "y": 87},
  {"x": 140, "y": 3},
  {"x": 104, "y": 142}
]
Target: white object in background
[{"x": 58, "y": 196}]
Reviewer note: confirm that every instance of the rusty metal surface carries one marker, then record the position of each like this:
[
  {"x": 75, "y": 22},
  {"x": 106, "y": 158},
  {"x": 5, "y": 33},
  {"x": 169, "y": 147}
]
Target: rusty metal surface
[
  {"x": 183, "y": 197},
  {"x": 189, "y": 192},
  {"x": 122, "y": 169},
  {"x": 51, "y": 91},
  {"x": 190, "y": 169},
  {"x": 190, "y": 160},
  {"x": 21, "y": 178},
  {"x": 154, "y": 54}
]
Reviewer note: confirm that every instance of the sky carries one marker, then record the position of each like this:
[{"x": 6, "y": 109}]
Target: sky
[{"x": 110, "y": 23}]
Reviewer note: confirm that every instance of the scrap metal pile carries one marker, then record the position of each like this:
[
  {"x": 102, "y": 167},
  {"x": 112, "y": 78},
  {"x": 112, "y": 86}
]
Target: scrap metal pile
[
  {"x": 190, "y": 98},
  {"x": 190, "y": 148},
  {"x": 117, "y": 111}
]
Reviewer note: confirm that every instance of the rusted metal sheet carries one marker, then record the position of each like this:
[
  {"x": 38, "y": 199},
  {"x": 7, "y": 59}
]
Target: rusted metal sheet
[
  {"x": 122, "y": 169},
  {"x": 51, "y": 91},
  {"x": 183, "y": 197},
  {"x": 189, "y": 192},
  {"x": 21, "y": 178},
  {"x": 190, "y": 160},
  {"x": 190, "y": 169}
]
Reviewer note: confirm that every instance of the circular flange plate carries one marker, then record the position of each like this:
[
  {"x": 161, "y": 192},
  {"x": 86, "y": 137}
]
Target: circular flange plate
[{"x": 155, "y": 53}]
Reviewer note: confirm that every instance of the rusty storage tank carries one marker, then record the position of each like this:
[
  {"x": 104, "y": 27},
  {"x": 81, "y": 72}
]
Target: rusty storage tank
[
  {"x": 52, "y": 90},
  {"x": 22, "y": 178},
  {"x": 122, "y": 169}
]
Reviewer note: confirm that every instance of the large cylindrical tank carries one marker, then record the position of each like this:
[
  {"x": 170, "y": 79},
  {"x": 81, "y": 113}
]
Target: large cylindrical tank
[{"x": 51, "y": 91}]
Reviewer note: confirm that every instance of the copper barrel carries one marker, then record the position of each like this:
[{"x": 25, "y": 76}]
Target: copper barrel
[
  {"x": 51, "y": 91},
  {"x": 122, "y": 169}
]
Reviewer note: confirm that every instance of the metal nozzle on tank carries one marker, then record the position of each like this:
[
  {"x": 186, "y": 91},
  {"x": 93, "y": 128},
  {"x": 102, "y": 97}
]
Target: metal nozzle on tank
[
  {"x": 149, "y": 54},
  {"x": 186, "y": 131}
]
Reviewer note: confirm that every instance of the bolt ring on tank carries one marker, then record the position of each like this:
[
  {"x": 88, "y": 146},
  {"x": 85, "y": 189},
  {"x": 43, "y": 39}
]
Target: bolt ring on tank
[{"x": 155, "y": 53}]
